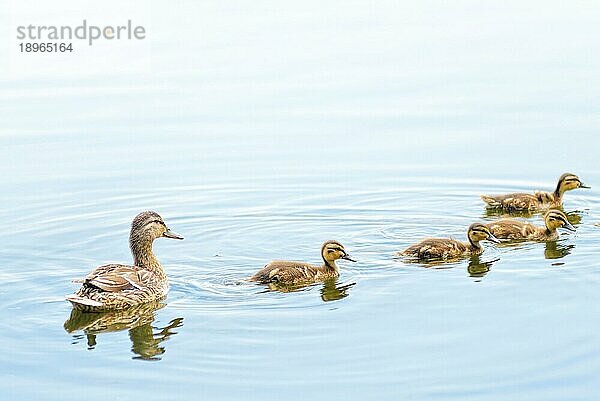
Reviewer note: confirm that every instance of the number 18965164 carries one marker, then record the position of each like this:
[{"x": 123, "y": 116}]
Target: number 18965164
[{"x": 46, "y": 47}]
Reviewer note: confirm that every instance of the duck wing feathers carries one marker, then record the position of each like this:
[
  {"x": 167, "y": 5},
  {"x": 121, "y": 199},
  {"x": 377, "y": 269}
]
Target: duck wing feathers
[
  {"x": 286, "y": 272},
  {"x": 116, "y": 278},
  {"x": 512, "y": 229},
  {"x": 432, "y": 248},
  {"x": 519, "y": 201}
]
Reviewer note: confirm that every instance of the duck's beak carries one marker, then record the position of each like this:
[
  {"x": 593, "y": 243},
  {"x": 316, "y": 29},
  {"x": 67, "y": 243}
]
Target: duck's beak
[
  {"x": 171, "y": 234},
  {"x": 347, "y": 257},
  {"x": 582, "y": 185},
  {"x": 493, "y": 239},
  {"x": 569, "y": 226}
]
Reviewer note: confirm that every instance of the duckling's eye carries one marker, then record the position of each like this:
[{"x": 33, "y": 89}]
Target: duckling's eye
[{"x": 330, "y": 250}]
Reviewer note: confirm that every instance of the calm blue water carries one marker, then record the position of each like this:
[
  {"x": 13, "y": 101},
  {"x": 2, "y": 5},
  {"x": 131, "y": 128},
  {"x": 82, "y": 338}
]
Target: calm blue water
[
  {"x": 271, "y": 131},
  {"x": 526, "y": 328}
]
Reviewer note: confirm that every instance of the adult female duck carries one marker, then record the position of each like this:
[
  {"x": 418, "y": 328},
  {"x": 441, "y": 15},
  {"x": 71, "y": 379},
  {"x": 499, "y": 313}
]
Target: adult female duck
[{"x": 115, "y": 286}]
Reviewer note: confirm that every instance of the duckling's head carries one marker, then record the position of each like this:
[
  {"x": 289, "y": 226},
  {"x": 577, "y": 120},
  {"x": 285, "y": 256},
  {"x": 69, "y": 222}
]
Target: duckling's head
[
  {"x": 332, "y": 251},
  {"x": 567, "y": 182},
  {"x": 556, "y": 219},
  {"x": 478, "y": 232},
  {"x": 148, "y": 226}
]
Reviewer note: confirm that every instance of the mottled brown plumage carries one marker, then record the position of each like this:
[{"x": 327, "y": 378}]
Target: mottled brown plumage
[
  {"x": 116, "y": 286},
  {"x": 513, "y": 229},
  {"x": 448, "y": 248},
  {"x": 290, "y": 272},
  {"x": 537, "y": 200}
]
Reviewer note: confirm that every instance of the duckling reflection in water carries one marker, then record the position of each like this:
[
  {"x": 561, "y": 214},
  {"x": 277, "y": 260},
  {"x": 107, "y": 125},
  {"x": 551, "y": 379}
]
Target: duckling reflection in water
[
  {"x": 512, "y": 229},
  {"x": 332, "y": 291},
  {"x": 556, "y": 250},
  {"x": 537, "y": 200},
  {"x": 289, "y": 273},
  {"x": 503, "y": 214},
  {"x": 477, "y": 268},
  {"x": 432, "y": 249},
  {"x": 114, "y": 286},
  {"x": 146, "y": 344}
]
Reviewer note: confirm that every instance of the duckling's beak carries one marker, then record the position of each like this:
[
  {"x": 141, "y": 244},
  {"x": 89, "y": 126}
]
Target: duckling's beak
[
  {"x": 569, "y": 226},
  {"x": 493, "y": 239},
  {"x": 171, "y": 234},
  {"x": 582, "y": 185},
  {"x": 347, "y": 257}
]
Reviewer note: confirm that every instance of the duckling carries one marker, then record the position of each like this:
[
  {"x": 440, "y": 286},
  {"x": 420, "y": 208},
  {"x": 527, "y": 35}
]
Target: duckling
[
  {"x": 448, "y": 248},
  {"x": 289, "y": 273},
  {"x": 537, "y": 200},
  {"x": 513, "y": 229},
  {"x": 113, "y": 286}
]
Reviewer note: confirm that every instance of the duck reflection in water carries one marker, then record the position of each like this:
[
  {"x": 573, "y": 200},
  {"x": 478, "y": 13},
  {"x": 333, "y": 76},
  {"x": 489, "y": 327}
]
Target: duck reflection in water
[
  {"x": 557, "y": 249},
  {"x": 146, "y": 339},
  {"x": 331, "y": 290},
  {"x": 574, "y": 216},
  {"x": 478, "y": 268},
  {"x": 500, "y": 213}
]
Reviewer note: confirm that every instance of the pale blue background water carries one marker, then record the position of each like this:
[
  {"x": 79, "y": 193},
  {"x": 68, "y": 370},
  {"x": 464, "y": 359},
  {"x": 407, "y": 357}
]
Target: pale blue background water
[{"x": 258, "y": 131}]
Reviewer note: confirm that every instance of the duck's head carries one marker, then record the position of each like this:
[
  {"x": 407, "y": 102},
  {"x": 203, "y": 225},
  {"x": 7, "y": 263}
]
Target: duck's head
[
  {"x": 567, "y": 182},
  {"x": 149, "y": 226},
  {"x": 332, "y": 251},
  {"x": 556, "y": 219},
  {"x": 478, "y": 232}
]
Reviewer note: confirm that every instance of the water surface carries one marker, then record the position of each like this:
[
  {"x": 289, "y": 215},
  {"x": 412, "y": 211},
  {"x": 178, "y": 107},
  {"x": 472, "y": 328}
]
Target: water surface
[{"x": 516, "y": 320}]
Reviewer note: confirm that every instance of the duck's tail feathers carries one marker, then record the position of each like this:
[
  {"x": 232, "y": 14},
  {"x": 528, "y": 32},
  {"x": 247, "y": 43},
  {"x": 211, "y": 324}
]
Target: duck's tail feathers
[
  {"x": 85, "y": 302},
  {"x": 491, "y": 201}
]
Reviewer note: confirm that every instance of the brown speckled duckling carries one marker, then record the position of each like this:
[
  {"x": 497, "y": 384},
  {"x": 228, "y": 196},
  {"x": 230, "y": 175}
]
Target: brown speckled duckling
[
  {"x": 449, "y": 248},
  {"x": 288, "y": 272},
  {"x": 114, "y": 286},
  {"x": 512, "y": 229},
  {"x": 537, "y": 200}
]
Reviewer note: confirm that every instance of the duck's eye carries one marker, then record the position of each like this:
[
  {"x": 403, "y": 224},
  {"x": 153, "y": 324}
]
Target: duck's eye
[{"x": 330, "y": 250}]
